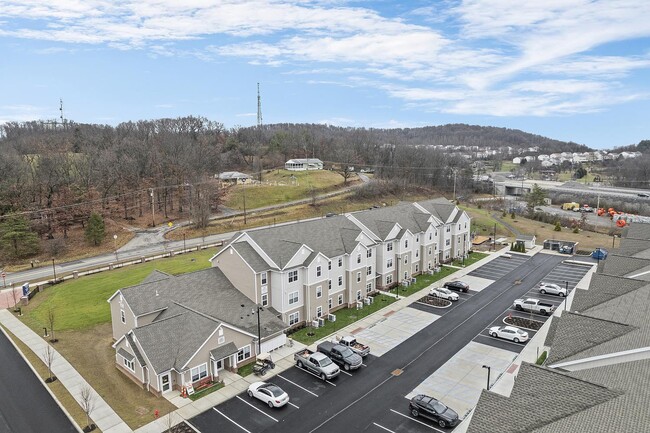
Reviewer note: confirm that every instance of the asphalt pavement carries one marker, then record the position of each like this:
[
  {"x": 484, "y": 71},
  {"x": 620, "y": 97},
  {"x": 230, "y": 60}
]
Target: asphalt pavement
[
  {"x": 372, "y": 399},
  {"x": 25, "y": 406}
]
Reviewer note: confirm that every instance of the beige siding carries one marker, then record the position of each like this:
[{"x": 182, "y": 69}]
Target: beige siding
[
  {"x": 137, "y": 375},
  {"x": 147, "y": 318},
  {"x": 230, "y": 335},
  {"x": 315, "y": 302},
  {"x": 238, "y": 272},
  {"x": 119, "y": 328}
]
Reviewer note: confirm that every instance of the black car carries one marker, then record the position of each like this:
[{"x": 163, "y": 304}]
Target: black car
[
  {"x": 457, "y": 285},
  {"x": 642, "y": 194},
  {"x": 433, "y": 409}
]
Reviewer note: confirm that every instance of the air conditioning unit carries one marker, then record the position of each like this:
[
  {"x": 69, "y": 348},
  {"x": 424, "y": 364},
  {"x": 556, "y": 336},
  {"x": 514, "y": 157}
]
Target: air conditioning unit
[
  {"x": 430, "y": 272},
  {"x": 359, "y": 305},
  {"x": 370, "y": 299},
  {"x": 367, "y": 301},
  {"x": 406, "y": 283},
  {"x": 331, "y": 317},
  {"x": 414, "y": 280},
  {"x": 321, "y": 322},
  {"x": 315, "y": 324}
]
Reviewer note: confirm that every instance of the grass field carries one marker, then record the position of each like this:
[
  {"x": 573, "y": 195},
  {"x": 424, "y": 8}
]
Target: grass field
[
  {"x": 586, "y": 240},
  {"x": 81, "y": 304},
  {"x": 483, "y": 224},
  {"x": 470, "y": 260}
]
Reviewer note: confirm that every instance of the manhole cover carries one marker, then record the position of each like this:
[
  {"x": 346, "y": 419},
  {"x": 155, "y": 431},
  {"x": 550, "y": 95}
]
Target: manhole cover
[
  {"x": 141, "y": 410},
  {"x": 517, "y": 282},
  {"x": 397, "y": 372}
]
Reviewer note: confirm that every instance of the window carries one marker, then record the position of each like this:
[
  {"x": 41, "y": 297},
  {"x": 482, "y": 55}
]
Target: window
[
  {"x": 294, "y": 318},
  {"x": 406, "y": 243},
  {"x": 263, "y": 277},
  {"x": 128, "y": 363},
  {"x": 406, "y": 260},
  {"x": 406, "y": 275},
  {"x": 358, "y": 258},
  {"x": 358, "y": 277},
  {"x": 329, "y": 265},
  {"x": 201, "y": 372},
  {"x": 417, "y": 267},
  {"x": 319, "y": 311},
  {"x": 447, "y": 242},
  {"x": 389, "y": 279},
  {"x": 329, "y": 285},
  {"x": 122, "y": 316},
  {"x": 340, "y": 281},
  {"x": 430, "y": 251},
  {"x": 465, "y": 225},
  {"x": 293, "y": 276},
  {"x": 221, "y": 340},
  {"x": 458, "y": 226},
  {"x": 358, "y": 295},
  {"x": 417, "y": 253},
  {"x": 448, "y": 229},
  {"x": 244, "y": 353},
  {"x": 389, "y": 246},
  {"x": 340, "y": 261},
  {"x": 417, "y": 239},
  {"x": 430, "y": 236},
  {"x": 329, "y": 303},
  {"x": 265, "y": 299},
  {"x": 429, "y": 266},
  {"x": 369, "y": 253},
  {"x": 369, "y": 270},
  {"x": 340, "y": 299},
  {"x": 389, "y": 263},
  {"x": 293, "y": 298},
  {"x": 318, "y": 271},
  {"x": 319, "y": 291},
  {"x": 368, "y": 287}
]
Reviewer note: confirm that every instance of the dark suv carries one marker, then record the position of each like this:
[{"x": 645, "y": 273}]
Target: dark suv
[
  {"x": 457, "y": 285},
  {"x": 433, "y": 409}
]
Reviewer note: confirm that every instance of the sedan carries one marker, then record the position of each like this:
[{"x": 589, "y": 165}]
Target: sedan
[
  {"x": 457, "y": 285},
  {"x": 552, "y": 289},
  {"x": 441, "y": 292},
  {"x": 433, "y": 409},
  {"x": 269, "y": 393},
  {"x": 509, "y": 333}
]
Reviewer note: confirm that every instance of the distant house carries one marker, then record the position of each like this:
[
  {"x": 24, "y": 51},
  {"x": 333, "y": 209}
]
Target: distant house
[
  {"x": 171, "y": 331},
  {"x": 234, "y": 177},
  {"x": 303, "y": 164},
  {"x": 529, "y": 241}
]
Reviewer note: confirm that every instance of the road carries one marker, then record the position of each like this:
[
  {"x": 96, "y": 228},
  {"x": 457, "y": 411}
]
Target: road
[
  {"x": 373, "y": 395},
  {"x": 26, "y": 407}
]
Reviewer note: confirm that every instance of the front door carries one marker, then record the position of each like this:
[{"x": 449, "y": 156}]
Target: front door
[
  {"x": 219, "y": 365},
  {"x": 166, "y": 382}
]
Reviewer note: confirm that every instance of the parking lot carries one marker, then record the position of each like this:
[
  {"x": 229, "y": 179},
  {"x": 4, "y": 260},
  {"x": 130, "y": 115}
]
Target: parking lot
[
  {"x": 500, "y": 266},
  {"x": 399, "y": 420},
  {"x": 564, "y": 275}
]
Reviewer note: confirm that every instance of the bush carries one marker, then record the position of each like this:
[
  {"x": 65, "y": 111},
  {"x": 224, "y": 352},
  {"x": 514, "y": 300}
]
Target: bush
[
  {"x": 576, "y": 230},
  {"x": 512, "y": 215},
  {"x": 541, "y": 358},
  {"x": 558, "y": 227}
]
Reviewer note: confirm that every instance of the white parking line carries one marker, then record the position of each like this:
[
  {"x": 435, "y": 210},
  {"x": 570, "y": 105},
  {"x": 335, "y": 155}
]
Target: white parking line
[
  {"x": 416, "y": 420},
  {"x": 224, "y": 415},
  {"x": 257, "y": 409},
  {"x": 295, "y": 384},
  {"x": 191, "y": 426},
  {"x": 383, "y": 428},
  {"x": 297, "y": 407},
  {"x": 363, "y": 364},
  {"x": 345, "y": 372},
  {"x": 315, "y": 375}
]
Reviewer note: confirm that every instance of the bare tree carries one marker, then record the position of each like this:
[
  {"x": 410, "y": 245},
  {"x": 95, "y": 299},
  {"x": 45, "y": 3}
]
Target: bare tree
[
  {"x": 48, "y": 359},
  {"x": 87, "y": 403},
  {"x": 171, "y": 426},
  {"x": 51, "y": 320},
  {"x": 16, "y": 293}
]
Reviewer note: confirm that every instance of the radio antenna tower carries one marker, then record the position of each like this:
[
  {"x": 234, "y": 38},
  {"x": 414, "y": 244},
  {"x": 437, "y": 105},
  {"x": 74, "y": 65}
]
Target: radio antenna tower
[
  {"x": 61, "y": 110},
  {"x": 259, "y": 107}
]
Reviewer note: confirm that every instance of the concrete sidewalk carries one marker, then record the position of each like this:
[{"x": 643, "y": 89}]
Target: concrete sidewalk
[
  {"x": 102, "y": 415},
  {"x": 283, "y": 357}
]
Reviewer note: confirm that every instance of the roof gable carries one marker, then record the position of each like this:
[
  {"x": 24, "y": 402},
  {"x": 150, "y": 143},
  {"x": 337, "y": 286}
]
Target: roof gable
[{"x": 603, "y": 288}]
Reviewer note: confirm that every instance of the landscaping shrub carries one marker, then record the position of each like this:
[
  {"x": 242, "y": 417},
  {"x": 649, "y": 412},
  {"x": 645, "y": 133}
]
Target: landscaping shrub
[{"x": 541, "y": 358}]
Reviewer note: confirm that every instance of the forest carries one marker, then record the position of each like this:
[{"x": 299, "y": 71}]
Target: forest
[{"x": 56, "y": 175}]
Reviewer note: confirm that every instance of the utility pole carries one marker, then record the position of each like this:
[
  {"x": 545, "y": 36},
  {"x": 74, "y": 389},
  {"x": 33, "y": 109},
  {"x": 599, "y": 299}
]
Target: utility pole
[
  {"x": 259, "y": 107},
  {"x": 244, "y": 186},
  {"x": 61, "y": 110},
  {"x": 455, "y": 171},
  {"x": 494, "y": 238},
  {"x": 153, "y": 221}
]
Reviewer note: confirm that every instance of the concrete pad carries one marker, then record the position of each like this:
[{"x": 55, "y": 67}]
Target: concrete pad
[
  {"x": 202, "y": 404},
  {"x": 240, "y": 385},
  {"x": 122, "y": 428},
  {"x": 476, "y": 283},
  {"x": 188, "y": 411}
]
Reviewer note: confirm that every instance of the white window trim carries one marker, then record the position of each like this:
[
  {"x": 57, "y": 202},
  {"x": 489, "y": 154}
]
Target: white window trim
[
  {"x": 293, "y": 300},
  {"x": 198, "y": 367},
  {"x": 122, "y": 316},
  {"x": 243, "y": 351},
  {"x": 319, "y": 291},
  {"x": 297, "y": 318},
  {"x": 130, "y": 364}
]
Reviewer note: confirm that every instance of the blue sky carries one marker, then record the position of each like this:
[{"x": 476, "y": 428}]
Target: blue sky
[{"x": 574, "y": 70}]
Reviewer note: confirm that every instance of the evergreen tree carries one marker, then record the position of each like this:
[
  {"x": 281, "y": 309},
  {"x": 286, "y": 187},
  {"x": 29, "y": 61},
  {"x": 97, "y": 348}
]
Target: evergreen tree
[
  {"x": 17, "y": 238},
  {"x": 535, "y": 198},
  {"x": 96, "y": 230}
]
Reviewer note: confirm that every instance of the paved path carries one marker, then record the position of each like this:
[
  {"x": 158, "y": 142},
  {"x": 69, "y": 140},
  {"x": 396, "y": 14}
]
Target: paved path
[{"x": 103, "y": 415}]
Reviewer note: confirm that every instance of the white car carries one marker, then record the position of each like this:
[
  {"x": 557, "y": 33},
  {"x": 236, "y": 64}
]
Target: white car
[
  {"x": 441, "y": 292},
  {"x": 269, "y": 393},
  {"x": 551, "y": 289},
  {"x": 509, "y": 333}
]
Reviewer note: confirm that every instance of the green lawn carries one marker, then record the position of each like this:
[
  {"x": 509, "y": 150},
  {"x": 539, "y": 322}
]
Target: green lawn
[
  {"x": 246, "y": 370},
  {"x": 81, "y": 304},
  {"x": 305, "y": 184},
  {"x": 206, "y": 391},
  {"x": 423, "y": 281},
  {"x": 471, "y": 259}
]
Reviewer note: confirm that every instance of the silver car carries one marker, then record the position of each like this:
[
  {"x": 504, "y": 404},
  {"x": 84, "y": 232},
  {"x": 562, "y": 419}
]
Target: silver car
[
  {"x": 551, "y": 289},
  {"x": 443, "y": 293},
  {"x": 509, "y": 333}
]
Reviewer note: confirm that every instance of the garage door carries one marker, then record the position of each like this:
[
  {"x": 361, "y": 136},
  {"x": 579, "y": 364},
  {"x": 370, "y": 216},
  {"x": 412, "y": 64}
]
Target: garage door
[{"x": 274, "y": 343}]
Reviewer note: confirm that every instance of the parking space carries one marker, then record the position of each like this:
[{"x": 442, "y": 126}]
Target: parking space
[
  {"x": 423, "y": 306},
  {"x": 566, "y": 273},
  {"x": 399, "y": 420},
  {"x": 499, "y": 267}
]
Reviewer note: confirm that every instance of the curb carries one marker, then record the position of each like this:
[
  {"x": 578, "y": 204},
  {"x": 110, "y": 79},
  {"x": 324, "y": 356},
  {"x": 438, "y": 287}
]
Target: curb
[{"x": 56, "y": 400}]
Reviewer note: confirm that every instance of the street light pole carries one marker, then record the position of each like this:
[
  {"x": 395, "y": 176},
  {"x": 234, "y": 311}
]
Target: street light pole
[
  {"x": 259, "y": 330},
  {"x": 488, "y": 378},
  {"x": 566, "y": 294},
  {"x": 53, "y": 269},
  {"x": 153, "y": 220}
]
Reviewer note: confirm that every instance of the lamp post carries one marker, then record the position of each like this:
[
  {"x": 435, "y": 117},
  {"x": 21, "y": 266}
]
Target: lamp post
[
  {"x": 153, "y": 220},
  {"x": 183, "y": 242},
  {"x": 397, "y": 260},
  {"x": 53, "y": 269},
  {"x": 259, "y": 325},
  {"x": 488, "y": 378},
  {"x": 115, "y": 246},
  {"x": 566, "y": 294}
]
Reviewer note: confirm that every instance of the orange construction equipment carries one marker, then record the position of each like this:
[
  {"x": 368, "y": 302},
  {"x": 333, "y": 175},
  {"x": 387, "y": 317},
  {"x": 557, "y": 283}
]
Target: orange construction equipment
[{"x": 621, "y": 222}]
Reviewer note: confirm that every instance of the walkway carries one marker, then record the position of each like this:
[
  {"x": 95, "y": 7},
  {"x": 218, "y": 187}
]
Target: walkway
[{"x": 102, "y": 415}]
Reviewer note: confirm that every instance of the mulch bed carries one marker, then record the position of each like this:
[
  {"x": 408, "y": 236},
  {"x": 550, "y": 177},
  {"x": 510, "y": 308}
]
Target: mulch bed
[
  {"x": 522, "y": 322},
  {"x": 435, "y": 302},
  {"x": 183, "y": 428}
]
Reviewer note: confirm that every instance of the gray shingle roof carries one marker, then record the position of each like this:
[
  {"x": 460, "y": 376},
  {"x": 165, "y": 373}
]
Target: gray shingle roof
[
  {"x": 155, "y": 275},
  {"x": 439, "y": 207},
  {"x": 251, "y": 256},
  {"x": 634, "y": 248},
  {"x": 123, "y": 353},
  {"x": 624, "y": 266},
  {"x": 637, "y": 231},
  {"x": 135, "y": 349},
  {"x": 525, "y": 237},
  {"x": 603, "y": 288},
  {"x": 541, "y": 396},
  {"x": 382, "y": 220},
  {"x": 574, "y": 333},
  {"x": 223, "y": 351},
  {"x": 331, "y": 236}
]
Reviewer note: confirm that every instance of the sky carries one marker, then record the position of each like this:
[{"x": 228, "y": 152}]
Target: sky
[{"x": 574, "y": 70}]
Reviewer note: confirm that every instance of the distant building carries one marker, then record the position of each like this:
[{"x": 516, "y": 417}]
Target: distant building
[
  {"x": 304, "y": 164},
  {"x": 234, "y": 177}
]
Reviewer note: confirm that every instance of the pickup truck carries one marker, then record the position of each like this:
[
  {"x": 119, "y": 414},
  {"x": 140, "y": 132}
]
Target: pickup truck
[
  {"x": 351, "y": 342},
  {"x": 316, "y": 363},
  {"x": 534, "y": 306},
  {"x": 340, "y": 354}
]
